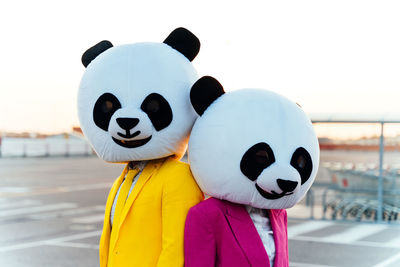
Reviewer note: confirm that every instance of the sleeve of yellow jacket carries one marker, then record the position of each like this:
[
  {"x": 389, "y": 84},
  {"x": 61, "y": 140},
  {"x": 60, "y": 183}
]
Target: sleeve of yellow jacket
[{"x": 180, "y": 193}]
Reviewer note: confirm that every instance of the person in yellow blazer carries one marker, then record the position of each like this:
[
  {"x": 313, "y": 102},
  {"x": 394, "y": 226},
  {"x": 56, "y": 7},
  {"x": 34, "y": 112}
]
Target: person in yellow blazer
[
  {"x": 134, "y": 108},
  {"x": 152, "y": 234}
]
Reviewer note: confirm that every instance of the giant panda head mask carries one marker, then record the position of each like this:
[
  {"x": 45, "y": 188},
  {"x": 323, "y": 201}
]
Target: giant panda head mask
[
  {"x": 251, "y": 146},
  {"x": 133, "y": 101}
]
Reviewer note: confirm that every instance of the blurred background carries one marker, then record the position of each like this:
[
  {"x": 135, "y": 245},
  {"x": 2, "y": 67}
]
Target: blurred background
[{"x": 338, "y": 59}]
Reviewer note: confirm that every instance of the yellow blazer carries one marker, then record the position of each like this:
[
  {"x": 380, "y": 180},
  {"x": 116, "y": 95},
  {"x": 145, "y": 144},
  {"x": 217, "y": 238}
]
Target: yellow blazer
[{"x": 150, "y": 232}]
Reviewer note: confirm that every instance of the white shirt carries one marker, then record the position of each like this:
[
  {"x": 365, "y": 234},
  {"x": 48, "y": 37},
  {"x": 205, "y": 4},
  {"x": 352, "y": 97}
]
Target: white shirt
[
  {"x": 140, "y": 165},
  {"x": 261, "y": 222}
]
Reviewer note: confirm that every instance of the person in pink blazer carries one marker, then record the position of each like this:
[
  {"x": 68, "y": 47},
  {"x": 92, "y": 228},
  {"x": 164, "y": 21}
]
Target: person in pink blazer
[{"x": 255, "y": 153}]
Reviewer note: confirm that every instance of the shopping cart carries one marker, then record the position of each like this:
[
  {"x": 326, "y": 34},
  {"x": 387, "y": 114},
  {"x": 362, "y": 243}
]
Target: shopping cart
[{"x": 353, "y": 192}]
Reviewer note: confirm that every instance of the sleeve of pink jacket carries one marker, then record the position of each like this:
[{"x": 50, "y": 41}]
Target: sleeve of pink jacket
[{"x": 200, "y": 247}]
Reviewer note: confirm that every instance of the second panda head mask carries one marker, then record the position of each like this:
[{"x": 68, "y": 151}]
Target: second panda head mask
[
  {"x": 251, "y": 146},
  {"x": 133, "y": 101}
]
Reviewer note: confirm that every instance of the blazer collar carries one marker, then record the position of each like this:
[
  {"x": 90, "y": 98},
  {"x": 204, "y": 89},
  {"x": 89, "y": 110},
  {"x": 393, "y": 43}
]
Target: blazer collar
[
  {"x": 278, "y": 219},
  {"x": 106, "y": 234},
  {"x": 249, "y": 240},
  {"x": 112, "y": 194},
  {"x": 147, "y": 172},
  {"x": 246, "y": 235}
]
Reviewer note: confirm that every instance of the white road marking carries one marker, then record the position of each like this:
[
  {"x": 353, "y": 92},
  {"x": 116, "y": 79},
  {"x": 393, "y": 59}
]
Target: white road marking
[
  {"x": 355, "y": 243},
  {"x": 82, "y": 227},
  {"x": 29, "y": 210},
  {"x": 89, "y": 219},
  {"x": 389, "y": 261},
  {"x": 14, "y": 189},
  {"x": 17, "y": 204},
  {"x": 64, "y": 213},
  {"x": 59, "y": 189},
  {"x": 395, "y": 241},
  {"x": 49, "y": 241},
  {"x": 306, "y": 227},
  {"x": 75, "y": 245},
  {"x": 355, "y": 233},
  {"x": 83, "y": 187},
  {"x": 298, "y": 264}
]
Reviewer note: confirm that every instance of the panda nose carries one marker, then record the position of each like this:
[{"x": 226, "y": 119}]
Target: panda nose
[
  {"x": 287, "y": 185},
  {"x": 127, "y": 123}
]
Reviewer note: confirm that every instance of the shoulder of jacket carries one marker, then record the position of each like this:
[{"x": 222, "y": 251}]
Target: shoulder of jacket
[
  {"x": 175, "y": 165},
  {"x": 210, "y": 208}
]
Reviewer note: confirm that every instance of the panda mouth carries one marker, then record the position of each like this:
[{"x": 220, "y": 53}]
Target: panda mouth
[
  {"x": 127, "y": 135},
  {"x": 273, "y": 194},
  {"x": 132, "y": 143}
]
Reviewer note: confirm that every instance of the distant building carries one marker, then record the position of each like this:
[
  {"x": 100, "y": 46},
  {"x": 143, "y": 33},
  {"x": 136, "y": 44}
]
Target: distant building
[{"x": 77, "y": 129}]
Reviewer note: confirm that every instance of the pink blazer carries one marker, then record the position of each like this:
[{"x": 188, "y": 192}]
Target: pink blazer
[{"x": 221, "y": 233}]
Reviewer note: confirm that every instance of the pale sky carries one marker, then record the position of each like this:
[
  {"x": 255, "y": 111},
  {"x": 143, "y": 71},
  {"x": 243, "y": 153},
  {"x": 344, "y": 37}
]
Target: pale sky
[{"x": 329, "y": 56}]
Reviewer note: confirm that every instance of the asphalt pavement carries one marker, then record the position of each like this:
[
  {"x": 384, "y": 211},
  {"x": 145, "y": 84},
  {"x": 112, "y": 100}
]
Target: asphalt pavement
[{"x": 51, "y": 214}]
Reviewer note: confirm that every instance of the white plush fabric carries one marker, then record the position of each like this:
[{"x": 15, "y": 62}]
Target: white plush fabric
[
  {"x": 132, "y": 72},
  {"x": 235, "y": 122}
]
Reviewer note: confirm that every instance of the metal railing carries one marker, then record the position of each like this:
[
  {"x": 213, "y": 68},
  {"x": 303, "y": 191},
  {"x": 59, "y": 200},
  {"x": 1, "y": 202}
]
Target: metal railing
[
  {"x": 362, "y": 118},
  {"x": 45, "y": 148}
]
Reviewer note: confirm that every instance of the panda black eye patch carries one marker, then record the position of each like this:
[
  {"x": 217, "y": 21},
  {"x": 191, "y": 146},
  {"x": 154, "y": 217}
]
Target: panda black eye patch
[
  {"x": 301, "y": 161},
  {"x": 105, "y": 107},
  {"x": 256, "y": 159},
  {"x": 158, "y": 110}
]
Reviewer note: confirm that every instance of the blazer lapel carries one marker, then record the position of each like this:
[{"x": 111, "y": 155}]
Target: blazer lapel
[
  {"x": 278, "y": 219},
  {"x": 147, "y": 172},
  {"x": 246, "y": 235},
  {"x": 105, "y": 236}
]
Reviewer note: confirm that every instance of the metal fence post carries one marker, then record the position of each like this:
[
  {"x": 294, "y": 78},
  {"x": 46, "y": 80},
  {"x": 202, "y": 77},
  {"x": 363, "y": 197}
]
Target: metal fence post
[
  {"x": 67, "y": 149},
  {"x": 47, "y": 153},
  {"x": 380, "y": 183},
  {"x": 24, "y": 154},
  {"x": 87, "y": 149}
]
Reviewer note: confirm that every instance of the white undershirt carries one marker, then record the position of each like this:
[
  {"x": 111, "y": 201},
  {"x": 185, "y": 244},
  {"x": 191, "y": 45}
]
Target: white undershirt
[
  {"x": 263, "y": 227},
  {"x": 132, "y": 165}
]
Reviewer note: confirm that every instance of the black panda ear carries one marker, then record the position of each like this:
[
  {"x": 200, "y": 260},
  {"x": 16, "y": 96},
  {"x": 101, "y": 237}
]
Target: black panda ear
[
  {"x": 94, "y": 51},
  {"x": 185, "y": 42},
  {"x": 205, "y": 91}
]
